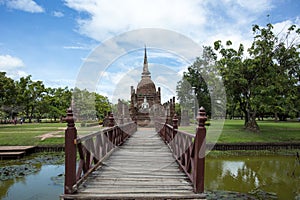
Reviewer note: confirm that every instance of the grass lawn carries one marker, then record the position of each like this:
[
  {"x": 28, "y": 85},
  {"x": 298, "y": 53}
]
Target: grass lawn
[
  {"x": 26, "y": 134},
  {"x": 36, "y": 133},
  {"x": 233, "y": 132}
]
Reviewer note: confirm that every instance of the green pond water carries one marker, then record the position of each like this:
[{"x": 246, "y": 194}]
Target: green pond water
[
  {"x": 264, "y": 176},
  {"x": 260, "y": 176}
]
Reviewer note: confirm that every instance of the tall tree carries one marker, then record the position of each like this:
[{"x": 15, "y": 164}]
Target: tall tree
[
  {"x": 200, "y": 78},
  {"x": 30, "y": 96},
  {"x": 102, "y": 105},
  {"x": 89, "y": 105},
  {"x": 268, "y": 79},
  {"x": 7, "y": 96},
  {"x": 185, "y": 94},
  {"x": 83, "y": 104},
  {"x": 56, "y": 101}
]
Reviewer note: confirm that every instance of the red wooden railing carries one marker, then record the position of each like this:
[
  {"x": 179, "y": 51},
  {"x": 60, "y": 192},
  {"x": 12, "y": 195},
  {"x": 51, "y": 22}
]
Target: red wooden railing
[
  {"x": 188, "y": 149},
  {"x": 92, "y": 149}
]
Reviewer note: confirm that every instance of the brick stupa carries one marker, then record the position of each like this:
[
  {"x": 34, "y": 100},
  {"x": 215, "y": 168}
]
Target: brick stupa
[{"x": 145, "y": 101}]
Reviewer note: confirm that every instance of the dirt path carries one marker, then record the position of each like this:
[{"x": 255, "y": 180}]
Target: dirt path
[{"x": 54, "y": 134}]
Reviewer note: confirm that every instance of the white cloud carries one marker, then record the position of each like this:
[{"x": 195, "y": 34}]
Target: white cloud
[
  {"x": 203, "y": 21},
  {"x": 77, "y": 47},
  {"x": 55, "y": 83},
  {"x": 16, "y": 74},
  {"x": 197, "y": 19},
  {"x": 80, "y": 46},
  {"x": 11, "y": 65},
  {"x": 281, "y": 29},
  {"x": 116, "y": 85},
  {"x": 8, "y": 62},
  {"x": 58, "y": 14},
  {"x": 108, "y": 18},
  {"x": 255, "y": 6},
  {"x": 25, "y": 5}
]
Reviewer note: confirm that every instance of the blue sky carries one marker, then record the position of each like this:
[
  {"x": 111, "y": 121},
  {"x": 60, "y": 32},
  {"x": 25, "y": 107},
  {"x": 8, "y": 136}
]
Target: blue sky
[{"x": 51, "y": 39}]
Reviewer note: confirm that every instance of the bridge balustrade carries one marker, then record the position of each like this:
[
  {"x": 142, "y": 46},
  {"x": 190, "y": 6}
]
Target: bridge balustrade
[
  {"x": 187, "y": 149},
  {"x": 92, "y": 149}
]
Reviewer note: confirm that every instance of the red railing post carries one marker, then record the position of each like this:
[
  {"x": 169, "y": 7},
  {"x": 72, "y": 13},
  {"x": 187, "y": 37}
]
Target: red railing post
[
  {"x": 122, "y": 119},
  {"x": 70, "y": 153},
  {"x": 111, "y": 132},
  {"x": 111, "y": 120},
  {"x": 175, "y": 126},
  {"x": 199, "y": 152}
]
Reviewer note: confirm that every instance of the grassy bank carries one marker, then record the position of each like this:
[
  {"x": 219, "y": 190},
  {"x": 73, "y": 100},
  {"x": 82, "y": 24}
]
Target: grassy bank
[
  {"x": 28, "y": 134},
  {"x": 233, "y": 132},
  {"x": 37, "y": 133}
]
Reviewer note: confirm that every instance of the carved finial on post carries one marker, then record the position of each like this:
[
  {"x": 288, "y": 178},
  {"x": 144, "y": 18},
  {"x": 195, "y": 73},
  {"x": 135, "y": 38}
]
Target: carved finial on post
[
  {"x": 134, "y": 119},
  {"x": 199, "y": 149},
  {"x": 111, "y": 120},
  {"x": 70, "y": 118},
  {"x": 201, "y": 118},
  {"x": 175, "y": 122}
]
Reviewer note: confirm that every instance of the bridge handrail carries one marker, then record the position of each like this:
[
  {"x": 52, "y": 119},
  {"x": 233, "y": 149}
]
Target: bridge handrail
[
  {"x": 185, "y": 148},
  {"x": 83, "y": 138},
  {"x": 100, "y": 143}
]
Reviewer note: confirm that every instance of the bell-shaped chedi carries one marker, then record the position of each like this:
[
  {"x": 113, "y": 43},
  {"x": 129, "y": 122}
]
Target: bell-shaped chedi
[{"x": 145, "y": 100}]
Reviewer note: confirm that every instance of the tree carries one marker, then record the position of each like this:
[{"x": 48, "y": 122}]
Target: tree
[
  {"x": 267, "y": 80},
  {"x": 185, "y": 94},
  {"x": 7, "y": 96},
  {"x": 241, "y": 79},
  {"x": 102, "y": 106},
  {"x": 56, "y": 101},
  {"x": 89, "y": 105},
  {"x": 201, "y": 78},
  {"x": 285, "y": 71},
  {"x": 83, "y": 104},
  {"x": 31, "y": 99},
  {"x": 30, "y": 96}
]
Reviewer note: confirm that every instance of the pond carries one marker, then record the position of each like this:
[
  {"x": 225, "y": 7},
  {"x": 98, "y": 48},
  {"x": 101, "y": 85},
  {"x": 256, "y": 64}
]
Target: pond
[
  {"x": 35, "y": 186},
  {"x": 259, "y": 176},
  {"x": 263, "y": 176},
  {"x": 36, "y": 177}
]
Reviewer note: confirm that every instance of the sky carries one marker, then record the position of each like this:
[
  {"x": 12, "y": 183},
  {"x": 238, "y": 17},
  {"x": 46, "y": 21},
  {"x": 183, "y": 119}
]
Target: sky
[{"x": 52, "y": 40}]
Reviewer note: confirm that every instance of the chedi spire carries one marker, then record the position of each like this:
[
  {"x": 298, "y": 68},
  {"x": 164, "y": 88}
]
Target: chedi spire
[{"x": 145, "y": 72}]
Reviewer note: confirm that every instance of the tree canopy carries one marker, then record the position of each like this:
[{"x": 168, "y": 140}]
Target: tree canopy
[
  {"x": 28, "y": 99},
  {"x": 263, "y": 80}
]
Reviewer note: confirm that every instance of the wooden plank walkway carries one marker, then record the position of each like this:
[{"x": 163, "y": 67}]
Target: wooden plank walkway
[
  {"x": 143, "y": 168},
  {"x": 14, "y": 152},
  {"x": 15, "y": 148}
]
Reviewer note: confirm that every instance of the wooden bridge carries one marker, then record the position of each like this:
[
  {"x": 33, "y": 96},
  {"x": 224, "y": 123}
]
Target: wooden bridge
[{"x": 123, "y": 162}]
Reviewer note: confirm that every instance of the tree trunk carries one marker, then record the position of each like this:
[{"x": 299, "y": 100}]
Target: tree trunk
[
  {"x": 27, "y": 114},
  {"x": 232, "y": 113},
  {"x": 246, "y": 117},
  {"x": 276, "y": 116},
  {"x": 251, "y": 124},
  {"x": 31, "y": 114}
]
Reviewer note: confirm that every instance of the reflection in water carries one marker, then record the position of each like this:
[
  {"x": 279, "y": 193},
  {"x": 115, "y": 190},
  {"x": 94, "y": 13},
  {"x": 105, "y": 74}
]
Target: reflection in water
[
  {"x": 272, "y": 174},
  {"x": 35, "y": 186},
  {"x": 238, "y": 168}
]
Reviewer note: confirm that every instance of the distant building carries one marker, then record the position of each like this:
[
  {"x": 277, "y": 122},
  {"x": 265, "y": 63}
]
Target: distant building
[
  {"x": 145, "y": 100},
  {"x": 145, "y": 103}
]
